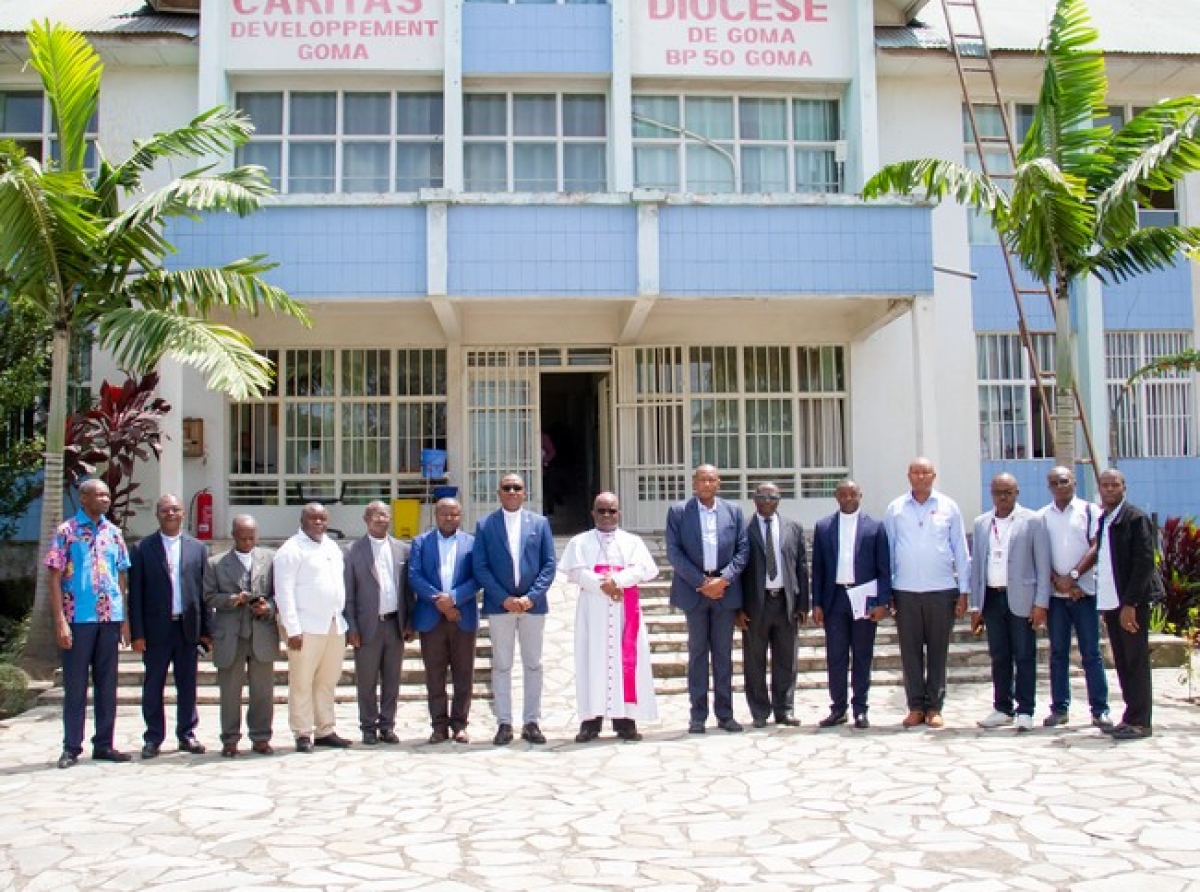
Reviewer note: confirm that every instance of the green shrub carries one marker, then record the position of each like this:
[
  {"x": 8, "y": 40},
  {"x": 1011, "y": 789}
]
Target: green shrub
[{"x": 14, "y": 690}]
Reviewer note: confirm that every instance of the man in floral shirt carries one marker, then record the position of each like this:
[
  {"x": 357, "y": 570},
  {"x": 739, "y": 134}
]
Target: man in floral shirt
[{"x": 88, "y": 562}]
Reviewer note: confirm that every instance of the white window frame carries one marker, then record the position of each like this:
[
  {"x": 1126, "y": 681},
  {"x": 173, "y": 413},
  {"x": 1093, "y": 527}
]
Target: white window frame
[
  {"x": 1011, "y": 422},
  {"x": 1155, "y": 417},
  {"x": 44, "y": 139}
]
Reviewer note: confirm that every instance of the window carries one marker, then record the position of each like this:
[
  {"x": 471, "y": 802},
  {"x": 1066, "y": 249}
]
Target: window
[
  {"x": 1012, "y": 424},
  {"x": 344, "y": 141},
  {"x": 737, "y": 144},
  {"x": 25, "y": 118},
  {"x": 339, "y": 425},
  {"x": 1153, "y": 419},
  {"x": 535, "y": 142}
]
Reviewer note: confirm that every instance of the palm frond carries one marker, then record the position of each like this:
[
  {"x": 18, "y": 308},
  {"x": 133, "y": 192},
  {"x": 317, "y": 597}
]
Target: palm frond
[
  {"x": 1051, "y": 217},
  {"x": 139, "y": 338},
  {"x": 936, "y": 179},
  {"x": 1146, "y": 250},
  {"x": 70, "y": 70},
  {"x": 237, "y": 287},
  {"x": 240, "y": 191}
]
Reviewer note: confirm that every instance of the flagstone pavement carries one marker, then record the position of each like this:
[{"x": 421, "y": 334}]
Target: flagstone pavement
[{"x": 772, "y": 809}]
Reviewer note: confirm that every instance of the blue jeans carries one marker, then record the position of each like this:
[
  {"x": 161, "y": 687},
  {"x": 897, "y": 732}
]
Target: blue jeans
[
  {"x": 1012, "y": 643},
  {"x": 1084, "y": 618}
]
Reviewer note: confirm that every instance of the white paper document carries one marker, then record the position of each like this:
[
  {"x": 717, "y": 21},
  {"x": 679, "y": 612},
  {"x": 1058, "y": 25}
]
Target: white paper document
[{"x": 859, "y": 595}]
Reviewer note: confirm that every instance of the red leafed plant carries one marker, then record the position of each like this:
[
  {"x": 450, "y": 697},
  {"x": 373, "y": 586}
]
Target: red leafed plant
[
  {"x": 120, "y": 430},
  {"x": 1179, "y": 568}
]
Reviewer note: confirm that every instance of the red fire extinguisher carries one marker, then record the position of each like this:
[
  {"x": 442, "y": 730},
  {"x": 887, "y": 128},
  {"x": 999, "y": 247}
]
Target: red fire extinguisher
[{"x": 204, "y": 514}]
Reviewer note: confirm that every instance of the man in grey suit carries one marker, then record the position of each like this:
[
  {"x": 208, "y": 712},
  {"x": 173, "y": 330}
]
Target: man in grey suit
[
  {"x": 1010, "y": 595},
  {"x": 707, "y": 548},
  {"x": 774, "y": 605},
  {"x": 379, "y": 608},
  {"x": 238, "y": 589}
]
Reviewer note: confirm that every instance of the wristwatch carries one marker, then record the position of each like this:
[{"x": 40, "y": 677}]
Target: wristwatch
[{"x": 1074, "y": 574}]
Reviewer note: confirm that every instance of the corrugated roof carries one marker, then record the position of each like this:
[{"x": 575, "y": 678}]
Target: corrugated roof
[
  {"x": 1141, "y": 27},
  {"x": 96, "y": 17}
]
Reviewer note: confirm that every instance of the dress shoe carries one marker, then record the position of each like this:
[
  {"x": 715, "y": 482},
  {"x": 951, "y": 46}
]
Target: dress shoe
[
  {"x": 1102, "y": 720},
  {"x": 503, "y": 736},
  {"x": 439, "y": 735},
  {"x": 370, "y": 738},
  {"x": 995, "y": 719},
  {"x": 861, "y": 722},
  {"x": 695, "y": 727},
  {"x": 834, "y": 718},
  {"x": 629, "y": 731},
  {"x": 461, "y": 736},
  {"x": 915, "y": 717},
  {"x": 191, "y": 745},
  {"x": 304, "y": 745},
  {"x": 731, "y": 725},
  {"x": 1054, "y": 719},
  {"x": 787, "y": 719},
  {"x": 533, "y": 733},
  {"x": 759, "y": 723},
  {"x": 263, "y": 748},
  {"x": 229, "y": 750},
  {"x": 67, "y": 760},
  {"x": 389, "y": 737},
  {"x": 587, "y": 732},
  {"x": 1024, "y": 722},
  {"x": 934, "y": 719},
  {"x": 150, "y": 751},
  {"x": 1130, "y": 732},
  {"x": 108, "y": 754},
  {"x": 332, "y": 740}
]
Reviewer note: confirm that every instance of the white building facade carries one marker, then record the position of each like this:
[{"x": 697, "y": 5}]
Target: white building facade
[{"x": 600, "y": 243}]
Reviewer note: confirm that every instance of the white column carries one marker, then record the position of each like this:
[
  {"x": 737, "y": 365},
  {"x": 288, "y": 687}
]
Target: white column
[
  {"x": 452, "y": 103},
  {"x": 620, "y": 118},
  {"x": 1087, "y": 303},
  {"x": 862, "y": 101},
  {"x": 924, "y": 353},
  {"x": 170, "y": 463},
  {"x": 213, "y": 85}
]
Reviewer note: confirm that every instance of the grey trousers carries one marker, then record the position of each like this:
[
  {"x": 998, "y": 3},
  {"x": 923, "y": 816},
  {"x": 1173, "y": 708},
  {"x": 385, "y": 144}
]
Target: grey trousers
[
  {"x": 507, "y": 630},
  {"x": 377, "y": 674},
  {"x": 924, "y": 621},
  {"x": 261, "y": 710}
]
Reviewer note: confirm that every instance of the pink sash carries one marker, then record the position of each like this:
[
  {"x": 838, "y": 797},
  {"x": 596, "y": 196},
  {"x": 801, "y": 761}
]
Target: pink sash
[{"x": 629, "y": 634}]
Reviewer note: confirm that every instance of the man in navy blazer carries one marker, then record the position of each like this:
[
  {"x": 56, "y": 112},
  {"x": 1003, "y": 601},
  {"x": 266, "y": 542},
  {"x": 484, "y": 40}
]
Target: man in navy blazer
[
  {"x": 513, "y": 558},
  {"x": 441, "y": 574},
  {"x": 849, "y": 548},
  {"x": 167, "y": 620},
  {"x": 707, "y": 547}
]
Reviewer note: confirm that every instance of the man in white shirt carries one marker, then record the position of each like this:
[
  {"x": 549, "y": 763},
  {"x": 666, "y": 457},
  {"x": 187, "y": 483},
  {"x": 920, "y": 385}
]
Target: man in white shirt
[
  {"x": 379, "y": 607},
  {"x": 1010, "y": 593},
  {"x": 1071, "y": 525},
  {"x": 613, "y": 674},
  {"x": 310, "y": 595}
]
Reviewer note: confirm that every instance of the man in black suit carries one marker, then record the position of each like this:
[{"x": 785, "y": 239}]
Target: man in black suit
[
  {"x": 1127, "y": 582},
  {"x": 707, "y": 548},
  {"x": 850, "y": 549},
  {"x": 379, "y": 608},
  {"x": 774, "y": 606},
  {"x": 167, "y": 621}
]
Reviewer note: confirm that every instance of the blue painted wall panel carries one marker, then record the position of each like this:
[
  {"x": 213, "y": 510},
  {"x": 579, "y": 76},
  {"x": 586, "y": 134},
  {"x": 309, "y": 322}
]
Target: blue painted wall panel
[
  {"x": 325, "y": 252},
  {"x": 795, "y": 250},
  {"x": 543, "y": 250},
  {"x": 537, "y": 39},
  {"x": 1159, "y": 300}
]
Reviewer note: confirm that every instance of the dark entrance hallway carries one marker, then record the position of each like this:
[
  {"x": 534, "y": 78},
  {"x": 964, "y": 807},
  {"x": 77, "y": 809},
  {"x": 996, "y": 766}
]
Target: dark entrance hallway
[{"x": 570, "y": 448}]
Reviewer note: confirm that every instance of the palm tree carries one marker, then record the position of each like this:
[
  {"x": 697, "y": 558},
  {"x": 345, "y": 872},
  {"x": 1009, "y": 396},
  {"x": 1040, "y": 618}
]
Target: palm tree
[
  {"x": 72, "y": 254},
  {"x": 1070, "y": 209}
]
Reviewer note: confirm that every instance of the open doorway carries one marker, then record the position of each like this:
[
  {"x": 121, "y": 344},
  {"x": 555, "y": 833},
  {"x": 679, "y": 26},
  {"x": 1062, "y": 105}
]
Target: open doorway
[{"x": 572, "y": 447}]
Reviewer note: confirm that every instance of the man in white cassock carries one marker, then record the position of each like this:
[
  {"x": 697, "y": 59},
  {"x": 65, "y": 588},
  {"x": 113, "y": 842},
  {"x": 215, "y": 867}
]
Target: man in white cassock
[{"x": 613, "y": 675}]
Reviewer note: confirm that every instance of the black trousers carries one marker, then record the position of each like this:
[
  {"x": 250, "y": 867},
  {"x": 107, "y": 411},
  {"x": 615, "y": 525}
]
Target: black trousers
[
  {"x": 447, "y": 647},
  {"x": 1131, "y": 656},
  {"x": 924, "y": 621},
  {"x": 845, "y": 637},
  {"x": 93, "y": 652},
  {"x": 377, "y": 668},
  {"x": 710, "y": 636},
  {"x": 179, "y": 655},
  {"x": 772, "y": 633}
]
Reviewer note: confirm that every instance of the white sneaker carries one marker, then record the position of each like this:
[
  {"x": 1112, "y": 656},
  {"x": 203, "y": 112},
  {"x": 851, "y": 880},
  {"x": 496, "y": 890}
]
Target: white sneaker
[
  {"x": 1024, "y": 722},
  {"x": 997, "y": 719}
]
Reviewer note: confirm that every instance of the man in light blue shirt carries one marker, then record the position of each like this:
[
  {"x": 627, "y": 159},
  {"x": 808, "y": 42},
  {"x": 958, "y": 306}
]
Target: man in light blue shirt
[{"x": 930, "y": 581}]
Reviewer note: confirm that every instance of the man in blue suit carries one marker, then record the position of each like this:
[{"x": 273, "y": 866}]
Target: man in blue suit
[
  {"x": 167, "y": 620},
  {"x": 850, "y": 548},
  {"x": 513, "y": 558},
  {"x": 441, "y": 575},
  {"x": 707, "y": 546}
]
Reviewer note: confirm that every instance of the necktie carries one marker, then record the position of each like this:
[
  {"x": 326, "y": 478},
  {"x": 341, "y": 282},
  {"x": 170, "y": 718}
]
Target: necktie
[{"x": 772, "y": 567}]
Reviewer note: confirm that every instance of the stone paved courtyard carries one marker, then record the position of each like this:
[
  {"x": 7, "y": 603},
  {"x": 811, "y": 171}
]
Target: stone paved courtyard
[{"x": 885, "y": 809}]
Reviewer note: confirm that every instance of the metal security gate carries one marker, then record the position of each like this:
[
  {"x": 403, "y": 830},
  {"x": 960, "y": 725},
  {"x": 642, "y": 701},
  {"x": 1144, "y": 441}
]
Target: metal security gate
[{"x": 502, "y": 420}]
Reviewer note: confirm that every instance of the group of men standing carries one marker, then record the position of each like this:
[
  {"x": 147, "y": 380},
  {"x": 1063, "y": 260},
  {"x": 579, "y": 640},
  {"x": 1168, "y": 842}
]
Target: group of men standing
[{"x": 1066, "y": 566}]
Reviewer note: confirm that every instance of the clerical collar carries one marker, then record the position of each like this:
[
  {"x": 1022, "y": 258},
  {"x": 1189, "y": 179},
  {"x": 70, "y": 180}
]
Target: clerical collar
[{"x": 375, "y": 540}]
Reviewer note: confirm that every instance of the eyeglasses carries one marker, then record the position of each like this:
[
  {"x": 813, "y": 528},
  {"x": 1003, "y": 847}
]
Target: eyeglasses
[
  {"x": 606, "y": 511},
  {"x": 1060, "y": 481},
  {"x": 762, "y": 498},
  {"x": 512, "y": 487}
]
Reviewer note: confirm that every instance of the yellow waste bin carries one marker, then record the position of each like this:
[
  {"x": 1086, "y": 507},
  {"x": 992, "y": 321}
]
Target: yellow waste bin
[{"x": 406, "y": 518}]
